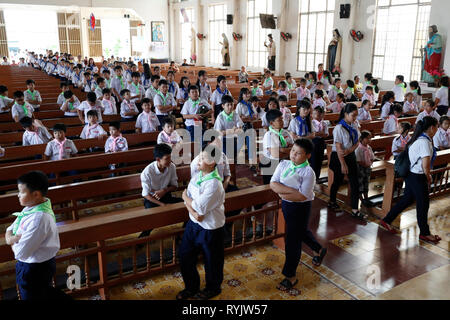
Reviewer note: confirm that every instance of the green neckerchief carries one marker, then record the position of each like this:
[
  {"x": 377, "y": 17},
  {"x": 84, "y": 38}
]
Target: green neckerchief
[
  {"x": 121, "y": 82},
  {"x": 2, "y": 97},
  {"x": 209, "y": 176},
  {"x": 108, "y": 83},
  {"x": 43, "y": 207},
  {"x": 336, "y": 89},
  {"x": 33, "y": 94},
  {"x": 352, "y": 90},
  {"x": 293, "y": 167},
  {"x": 136, "y": 86},
  {"x": 254, "y": 91},
  {"x": 282, "y": 140},
  {"x": 163, "y": 97},
  {"x": 25, "y": 110},
  {"x": 403, "y": 86},
  {"x": 290, "y": 85},
  {"x": 195, "y": 103},
  {"x": 267, "y": 80},
  {"x": 71, "y": 106},
  {"x": 228, "y": 117}
]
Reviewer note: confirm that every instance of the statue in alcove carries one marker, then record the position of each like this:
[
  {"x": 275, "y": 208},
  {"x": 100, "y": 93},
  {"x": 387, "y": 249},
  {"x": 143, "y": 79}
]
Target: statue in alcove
[
  {"x": 334, "y": 53},
  {"x": 432, "y": 55},
  {"x": 225, "y": 51}
]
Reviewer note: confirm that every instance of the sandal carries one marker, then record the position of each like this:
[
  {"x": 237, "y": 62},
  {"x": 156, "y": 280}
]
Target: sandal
[
  {"x": 286, "y": 285},
  {"x": 358, "y": 214},
  {"x": 435, "y": 241},
  {"x": 185, "y": 294},
  {"x": 317, "y": 260},
  {"x": 334, "y": 206},
  {"x": 388, "y": 227},
  {"x": 207, "y": 294}
]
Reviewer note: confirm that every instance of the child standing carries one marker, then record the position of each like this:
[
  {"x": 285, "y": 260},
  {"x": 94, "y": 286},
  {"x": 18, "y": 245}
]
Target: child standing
[
  {"x": 391, "y": 124},
  {"x": 35, "y": 132},
  {"x": 409, "y": 106},
  {"x": 388, "y": 100},
  {"x": 164, "y": 102},
  {"x": 365, "y": 158},
  {"x": 168, "y": 135},
  {"x": 301, "y": 126},
  {"x": 255, "y": 89},
  {"x": 183, "y": 91},
  {"x": 399, "y": 89},
  {"x": 34, "y": 238},
  {"x": 191, "y": 113},
  {"x": 441, "y": 139},
  {"x": 147, "y": 121},
  {"x": 136, "y": 89},
  {"x": 118, "y": 83},
  {"x": 216, "y": 98},
  {"x": 173, "y": 86},
  {"x": 21, "y": 108},
  {"x": 32, "y": 96},
  {"x": 400, "y": 142},
  {"x": 284, "y": 108},
  {"x": 92, "y": 129},
  {"x": 128, "y": 109},
  {"x": 204, "y": 88},
  {"x": 60, "y": 148},
  {"x": 91, "y": 103}
]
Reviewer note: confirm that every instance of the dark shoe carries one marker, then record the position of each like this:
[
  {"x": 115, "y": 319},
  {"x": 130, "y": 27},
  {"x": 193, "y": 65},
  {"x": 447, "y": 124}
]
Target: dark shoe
[
  {"x": 435, "y": 239},
  {"x": 185, "y": 294},
  {"x": 334, "y": 206},
  {"x": 286, "y": 285},
  {"x": 317, "y": 260},
  {"x": 359, "y": 215},
  {"x": 207, "y": 294}
]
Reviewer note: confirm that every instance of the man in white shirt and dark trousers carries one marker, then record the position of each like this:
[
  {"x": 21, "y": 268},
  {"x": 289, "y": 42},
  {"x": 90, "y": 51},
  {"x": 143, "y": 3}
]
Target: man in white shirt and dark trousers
[
  {"x": 204, "y": 232},
  {"x": 159, "y": 179}
]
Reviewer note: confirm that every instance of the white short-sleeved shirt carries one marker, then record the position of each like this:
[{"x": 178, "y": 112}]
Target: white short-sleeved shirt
[
  {"x": 424, "y": 114},
  {"x": 364, "y": 115},
  {"x": 74, "y": 109},
  {"x": 151, "y": 92},
  {"x": 442, "y": 139},
  {"x": 85, "y": 107},
  {"x": 359, "y": 153},
  {"x": 348, "y": 93},
  {"x": 410, "y": 107},
  {"x": 152, "y": 179},
  {"x": 188, "y": 108},
  {"x": 18, "y": 110},
  {"x": 319, "y": 103},
  {"x": 417, "y": 99},
  {"x": 29, "y": 96},
  {"x": 136, "y": 90},
  {"x": 77, "y": 79},
  {"x": 223, "y": 124},
  {"x": 127, "y": 106},
  {"x": 268, "y": 84},
  {"x": 243, "y": 110},
  {"x": 118, "y": 84},
  {"x": 4, "y": 102},
  {"x": 369, "y": 97},
  {"x": 53, "y": 149},
  {"x": 332, "y": 94},
  {"x": 284, "y": 93},
  {"x": 89, "y": 86},
  {"x": 205, "y": 92},
  {"x": 341, "y": 135},
  {"x": 146, "y": 82},
  {"x": 170, "y": 140},
  {"x": 294, "y": 127},
  {"x": 326, "y": 84},
  {"x": 216, "y": 97},
  {"x": 336, "y": 107},
  {"x": 399, "y": 142},
  {"x": 385, "y": 110},
  {"x": 182, "y": 94},
  {"x": 390, "y": 125},
  {"x": 147, "y": 122},
  {"x": 208, "y": 200},
  {"x": 173, "y": 88},
  {"x": 223, "y": 167},
  {"x": 264, "y": 121},
  {"x": 272, "y": 141},
  {"x": 40, "y": 136},
  {"x": 159, "y": 101},
  {"x": 399, "y": 93},
  {"x": 303, "y": 179},
  {"x": 256, "y": 92},
  {"x": 320, "y": 126},
  {"x": 109, "y": 106},
  {"x": 287, "y": 117},
  {"x": 90, "y": 132},
  {"x": 442, "y": 95},
  {"x": 60, "y": 99},
  {"x": 117, "y": 144},
  {"x": 420, "y": 149},
  {"x": 303, "y": 93}
]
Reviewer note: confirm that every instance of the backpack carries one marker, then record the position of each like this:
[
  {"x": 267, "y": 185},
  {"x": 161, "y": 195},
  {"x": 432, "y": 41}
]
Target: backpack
[{"x": 402, "y": 164}]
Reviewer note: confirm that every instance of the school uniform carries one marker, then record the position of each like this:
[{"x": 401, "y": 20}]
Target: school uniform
[
  {"x": 424, "y": 114},
  {"x": 136, "y": 90},
  {"x": 205, "y": 91},
  {"x": 151, "y": 92},
  {"x": 25, "y": 110},
  {"x": 332, "y": 94},
  {"x": 77, "y": 80},
  {"x": 385, "y": 109},
  {"x": 366, "y": 156},
  {"x": 206, "y": 236},
  {"x": 4, "y": 102},
  {"x": 146, "y": 82},
  {"x": 85, "y": 107},
  {"x": 118, "y": 84},
  {"x": 36, "y": 250},
  {"x": 60, "y": 150},
  {"x": 216, "y": 98},
  {"x": 35, "y": 95},
  {"x": 416, "y": 185},
  {"x": 163, "y": 101},
  {"x": 224, "y": 122},
  {"x": 109, "y": 106},
  {"x": 98, "y": 92},
  {"x": 441, "y": 139},
  {"x": 410, "y": 107},
  {"x": 116, "y": 144},
  {"x": 349, "y": 94},
  {"x": 399, "y": 142},
  {"x": 23, "y": 65},
  {"x": 363, "y": 115},
  {"x": 127, "y": 106},
  {"x": 299, "y": 126},
  {"x": 108, "y": 83},
  {"x": 264, "y": 121},
  {"x": 287, "y": 116},
  {"x": 319, "y": 103},
  {"x": 284, "y": 93},
  {"x": 341, "y": 134},
  {"x": 399, "y": 91},
  {"x": 417, "y": 99},
  {"x": 301, "y": 178},
  {"x": 40, "y": 136},
  {"x": 442, "y": 95},
  {"x": 147, "y": 122},
  {"x": 256, "y": 92},
  {"x": 89, "y": 86},
  {"x": 369, "y": 97},
  {"x": 173, "y": 88},
  {"x": 60, "y": 99},
  {"x": 268, "y": 85},
  {"x": 303, "y": 93},
  {"x": 390, "y": 125},
  {"x": 127, "y": 76},
  {"x": 73, "y": 107},
  {"x": 182, "y": 94},
  {"x": 92, "y": 131},
  {"x": 171, "y": 139},
  {"x": 193, "y": 125},
  {"x": 326, "y": 84},
  {"x": 317, "y": 154}
]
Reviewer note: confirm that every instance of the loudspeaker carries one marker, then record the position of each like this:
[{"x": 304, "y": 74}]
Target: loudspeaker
[
  {"x": 345, "y": 11},
  {"x": 229, "y": 19}
]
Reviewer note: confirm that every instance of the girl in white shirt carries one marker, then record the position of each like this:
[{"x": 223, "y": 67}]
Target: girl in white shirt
[
  {"x": 421, "y": 156},
  {"x": 283, "y": 90},
  {"x": 364, "y": 112},
  {"x": 442, "y": 97},
  {"x": 391, "y": 124},
  {"x": 388, "y": 100},
  {"x": 205, "y": 89},
  {"x": 399, "y": 89},
  {"x": 303, "y": 91},
  {"x": 400, "y": 142},
  {"x": 216, "y": 98},
  {"x": 318, "y": 99},
  {"x": 409, "y": 106},
  {"x": 428, "y": 111},
  {"x": 183, "y": 90},
  {"x": 441, "y": 140},
  {"x": 368, "y": 95},
  {"x": 284, "y": 108},
  {"x": 417, "y": 93}
]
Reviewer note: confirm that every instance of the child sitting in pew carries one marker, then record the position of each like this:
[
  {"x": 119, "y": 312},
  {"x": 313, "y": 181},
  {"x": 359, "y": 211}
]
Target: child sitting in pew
[
  {"x": 64, "y": 87},
  {"x": 368, "y": 95},
  {"x": 115, "y": 142},
  {"x": 183, "y": 90},
  {"x": 365, "y": 158},
  {"x": 77, "y": 77},
  {"x": 272, "y": 104},
  {"x": 147, "y": 121},
  {"x": 429, "y": 111},
  {"x": 21, "y": 108},
  {"x": 35, "y": 132},
  {"x": 32, "y": 96},
  {"x": 283, "y": 90},
  {"x": 338, "y": 104},
  {"x": 88, "y": 83},
  {"x": 255, "y": 89},
  {"x": 391, "y": 124},
  {"x": 320, "y": 129},
  {"x": 70, "y": 104},
  {"x": 60, "y": 147},
  {"x": 318, "y": 99},
  {"x": 409, "y": 106},
  {"x": 168, "y": 135},
  {"x": 320, "y": 87},
  {"x": 364, "y": 115},
  {"x": 268, "y": 82},
  {"x": 108, "y": 102},
  {"x": 136, "y": 89},
  {"x": 284, "y": 108},
  {"x": 302, "y": 91},
  {"x": 92, "y": 129},
  {"x": 5, "y": 102},
  {"x": 128, "y": 109},
  {"x": 417, "y": 94},
  {"x": 118, "y": 83},
  {"x": 441, "y": 139},
  {"x": 101, "y": 84},
  {"x": 159, "y": 179},
  {"x": 388, "y": 100},
  {"x": 91, "y": 103},
  {"x": 399, "y": 143},
  {"x": 335, "y": 90}
]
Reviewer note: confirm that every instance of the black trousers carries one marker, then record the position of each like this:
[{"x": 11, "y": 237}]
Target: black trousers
[
  {"x": 198, "y": 240},
  {"x": 352, "y": 175},
  {"x": 317, "y": 155},
  {"x": 416, "y": 189},
  {"x": 167, "y": 199},
  {"x": 217, "y": 110},
  {"x": 271, "y": 64},
  {"x": 296, "y": 216},
  {"x": 442, "y": 110},
  {"x": 35, "y": 279}
]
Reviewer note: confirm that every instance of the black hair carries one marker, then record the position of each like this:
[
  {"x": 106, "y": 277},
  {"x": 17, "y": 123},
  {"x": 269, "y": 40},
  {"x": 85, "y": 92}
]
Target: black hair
[
  {"x": 282, "y": 98},
  {"x": 34, "y": 181},
  {"x": 220, "y": 79},
  {"x": 60, "y": 127},
  {"x": 192, "y": 87},
  {"x": 114, "y": 124},
  {"x": 255, "y": 81},
  {"x": 415, "y": 85},
  {"x": 364, "y": 102},
  {"x": 100, "y": 80},
  {"x": 374, "y": 83},
  {"x": 406, "y": 126},
  {"x": 147, "y": 71},
  {"x": 302, "y": 80},
  {"x": 30, "y": 81},
  {"x": 305, "y": 144},
  {"x": 91, "y": 97},
  {"x": 124, "y": 91},
  {"x": 92, "y": 113},
  {"x": 63, "y": 84},
  {"x": 319, "y": 93},
  {"x": 68, "y": 94},
  {"x": 242, "y": 92},
  {"x": 387, "y": 96},
  {"x": 18, "y": 94},
  {"x": 348, "y": 108},
  {"x": 3, "y": 89},
  {"x": 162, "y": 82},
  {"x": 162, "y": 150},
  {"x": 368, "y": 76},
  {"x": 369, "y": 88},
  {"x": 445, "y": 83},
  {"x": 272, "y": 115},
  {"x": 181, "y": 85},
  {"x": 147, "y": 100},
  {"x": 350, "y": 83},
  {"x": 167, "y": 120},
  {"x": 327, "y": 74},
  {"x": 274, "y": 95},
  {"x": 364, "y": 134},
  {"x": 395, "y": 108},
  {"x": 106, "y": 90},
  {"x": 135, "y": 75},
  {"x": 86, "y": 73},
  {"x": 255, "y": 99},
  {"x": 355, "y": 77},
  {"x": 26, "y": 122},
  {"x": 305, "y": 104},
  {"x": 430, "y": 102},
  {"x": 227, "y": 99},
  {"x": 336, "y": 80},
  {"x": 421, "y": 127},
  {"x": 96, "y": 75},
  {"x": 314, "y": 74},
  {"x": 274, "y": 100},
  {"x": 319, "y": 109},
  {"x": 442, "y": 119},
  {"x": 401, "y": 78},
  {"x": 199, "y": 74},
  {"x": 282, "y": 84},
  {"x": 154, "y": 78},
  {"x": 156, "y": 68},
  {"x": 341, "y": 95}
]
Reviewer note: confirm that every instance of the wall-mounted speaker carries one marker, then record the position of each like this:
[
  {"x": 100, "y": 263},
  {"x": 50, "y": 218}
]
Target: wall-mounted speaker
[
  {"x": 229, "y": 19},
  {"x": 345, "y": 11}
]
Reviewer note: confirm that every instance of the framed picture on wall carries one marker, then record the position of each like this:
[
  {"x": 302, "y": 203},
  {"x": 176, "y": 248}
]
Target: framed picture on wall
[{"x": 157, "y": 31}]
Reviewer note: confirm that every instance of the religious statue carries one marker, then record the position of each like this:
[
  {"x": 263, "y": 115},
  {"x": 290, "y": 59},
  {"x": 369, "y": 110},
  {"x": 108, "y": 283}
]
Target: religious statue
[
  {"x": 334, "y": 53},
  {"x": 432, "y": 55},
  {"x": 271, "y": 52},
  {"x": 193, "y": 47},
  {"x": 225, "y": 51}
]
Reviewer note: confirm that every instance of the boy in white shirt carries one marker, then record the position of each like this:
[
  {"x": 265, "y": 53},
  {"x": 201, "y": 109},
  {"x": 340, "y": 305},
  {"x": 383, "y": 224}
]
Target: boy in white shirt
[
  {"x": 77, "y": 77},
  {"x": 101, "y": 84},
  {"x": 91, "y": 103},
  {"x": 268, "y": 82},
  {"x": 64, "y": 87},
  {"x": 34, "y": 238},
  {"x": 399, "y": 89},
  {"x": 60, "y": 147},
  {"x": 118, "y": 83},
  {"x": 147, "y": 121},
  {"x": 35, "y": 132},
  {"x": 92, "y": 129},
  {"x": 152, "y": 91},
  {"x": 136, "y": 89},
  {"x": 163, "y": 101},
  {"x": 108, "y": 102},
  {"x": 168, "y": 135},
  {"x": 21, "y": 108},
  {"x": 70, "y": 104},
  {"x": 204, "y": 232},
  {"x": 32, "y": 96},
  {"x": 88, "y": 83},
  {"x": 106, "y": 74},
  {"x": 191, "y": 112},
  {"x": 5, "y": 102},
  {"x": 255, "y": 89},
  {"x": 116, "y": 142},
  {"x": 128, "y": 109}
]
